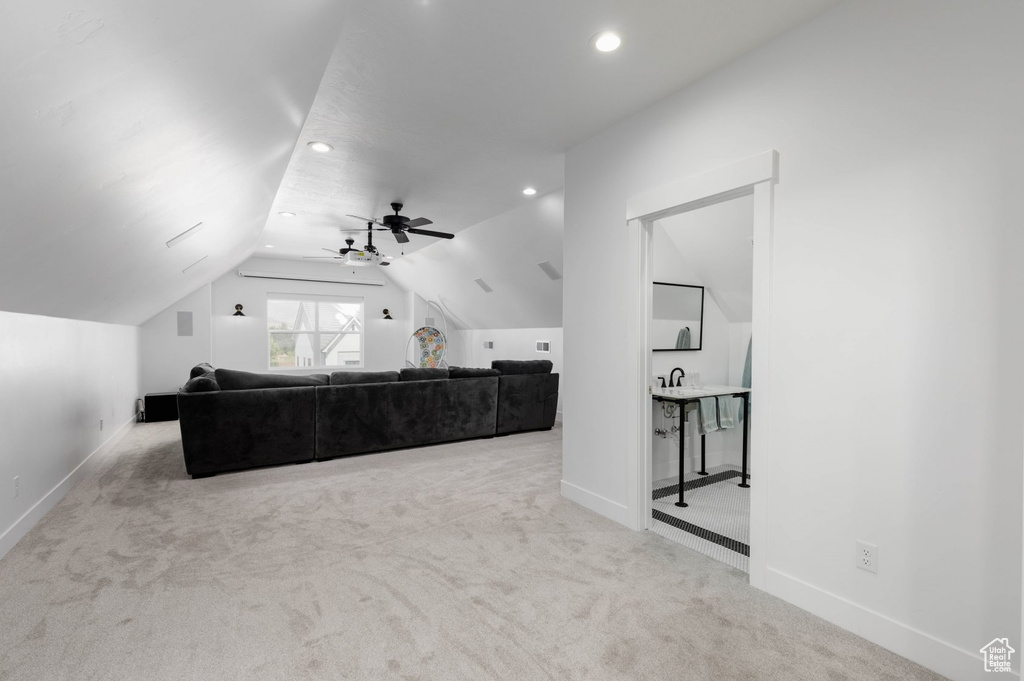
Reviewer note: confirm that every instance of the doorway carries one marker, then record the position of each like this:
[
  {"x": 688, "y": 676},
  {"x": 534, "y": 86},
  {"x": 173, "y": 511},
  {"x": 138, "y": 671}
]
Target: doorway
[
  {"x": 753, "y": 177},
  {"x": 702, "y": 271}
]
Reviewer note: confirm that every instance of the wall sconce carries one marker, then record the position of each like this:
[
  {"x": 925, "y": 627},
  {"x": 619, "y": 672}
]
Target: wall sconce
[
  {"x": 238, "y": 311},
  {"x": 387, "y": 314}
]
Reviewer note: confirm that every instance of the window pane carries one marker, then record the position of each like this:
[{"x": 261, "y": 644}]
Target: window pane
[
  {"x": 291, "y": 349},
  {"x": 289, "y": 315},
  {"x": 341, "y": 333}
]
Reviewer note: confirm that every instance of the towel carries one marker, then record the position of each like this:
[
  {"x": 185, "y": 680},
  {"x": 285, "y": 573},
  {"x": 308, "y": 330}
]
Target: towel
[
  {"x": 745, "y": 381},
  {"x": 708, "y": 421},
  {"x": 726, "y": 412},
  {"x": 683, "y": 339}
]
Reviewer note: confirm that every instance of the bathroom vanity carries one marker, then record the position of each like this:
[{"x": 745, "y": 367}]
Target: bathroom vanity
[{"x": 685, "y": 396}]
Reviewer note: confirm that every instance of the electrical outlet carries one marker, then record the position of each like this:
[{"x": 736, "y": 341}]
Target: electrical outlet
[
  {"x": 101, "y": 424},
  {"x": 867, "y": 557},
  {"x": 17, "y": 486}
]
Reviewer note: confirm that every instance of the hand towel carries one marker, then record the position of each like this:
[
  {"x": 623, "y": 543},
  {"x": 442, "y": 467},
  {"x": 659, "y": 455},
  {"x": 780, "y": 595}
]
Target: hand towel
[
  {"x": 726, "y": 412},
  {"x": 683, "y": 339},
  {"x": 708, "y": 421}
]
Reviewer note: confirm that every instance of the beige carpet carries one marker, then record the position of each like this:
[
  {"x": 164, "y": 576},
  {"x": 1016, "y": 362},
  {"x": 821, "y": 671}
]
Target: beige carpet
[{"x": 451, "y": 562}]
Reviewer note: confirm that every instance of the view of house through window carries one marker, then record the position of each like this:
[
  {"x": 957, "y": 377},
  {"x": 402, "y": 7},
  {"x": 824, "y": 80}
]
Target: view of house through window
[{"x": 314, "y": 331}]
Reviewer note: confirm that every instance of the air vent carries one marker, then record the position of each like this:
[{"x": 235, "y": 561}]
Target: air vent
[
  {"x": 549, "y": 270},
  {"x": 483, "y": 284},
  {"x": 194, "y": 264},
  {"x": 184, "y": 235},
  {"x": 184, "y": 323},
  {"x": 543, "y": 346},
  {"x": 488, "y": 345}
]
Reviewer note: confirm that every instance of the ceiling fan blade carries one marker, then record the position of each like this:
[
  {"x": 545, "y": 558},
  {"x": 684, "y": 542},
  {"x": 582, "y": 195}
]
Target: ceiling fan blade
[
  {"x": 400, "y": 237},
  {"x": 418, "y": 222},
  {"x": 329, "y": 250},
  {"x": 321, "y": 257},
  {"x": 427, "y": 232}
]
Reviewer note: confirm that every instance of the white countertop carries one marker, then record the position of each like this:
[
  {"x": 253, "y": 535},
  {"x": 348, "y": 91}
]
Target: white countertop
[{"x": 694, "y": 393}]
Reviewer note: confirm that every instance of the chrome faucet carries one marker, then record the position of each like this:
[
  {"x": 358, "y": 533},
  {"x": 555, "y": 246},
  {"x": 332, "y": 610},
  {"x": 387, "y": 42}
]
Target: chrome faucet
[{"x": 672, "y": 377}]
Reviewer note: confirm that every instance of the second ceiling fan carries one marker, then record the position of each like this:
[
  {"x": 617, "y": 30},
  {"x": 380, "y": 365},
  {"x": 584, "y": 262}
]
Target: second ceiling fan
[{"x": 401, "y": 226}]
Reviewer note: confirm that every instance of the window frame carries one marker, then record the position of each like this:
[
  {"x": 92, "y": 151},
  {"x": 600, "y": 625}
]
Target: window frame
[{"x": 315, "y": 334}]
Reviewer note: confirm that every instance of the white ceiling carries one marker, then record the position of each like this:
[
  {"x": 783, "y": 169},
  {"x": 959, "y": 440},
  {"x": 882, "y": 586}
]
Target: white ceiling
[
  {"x": 124, "y": 123},
  {"x": 714, "y": 243}
]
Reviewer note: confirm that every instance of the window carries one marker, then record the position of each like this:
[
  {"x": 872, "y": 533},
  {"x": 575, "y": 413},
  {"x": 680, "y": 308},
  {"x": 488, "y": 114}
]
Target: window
[{"x": 314, "y": 331}]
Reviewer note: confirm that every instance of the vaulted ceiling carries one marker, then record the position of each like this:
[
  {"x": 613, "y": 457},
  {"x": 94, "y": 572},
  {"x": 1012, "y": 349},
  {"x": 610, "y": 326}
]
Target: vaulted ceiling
[{"x": 123, "y": 124}]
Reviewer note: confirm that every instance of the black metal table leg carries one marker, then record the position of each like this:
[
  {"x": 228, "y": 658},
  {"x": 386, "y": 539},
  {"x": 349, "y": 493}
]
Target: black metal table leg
[
  {"x": 682, "y": 440},
  {"x": 746, "y": 428},
  {"x": 703, "y": 469}
]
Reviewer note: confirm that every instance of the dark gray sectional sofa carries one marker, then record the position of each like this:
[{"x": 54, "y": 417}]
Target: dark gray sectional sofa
[{"x": 232, "y": 420}]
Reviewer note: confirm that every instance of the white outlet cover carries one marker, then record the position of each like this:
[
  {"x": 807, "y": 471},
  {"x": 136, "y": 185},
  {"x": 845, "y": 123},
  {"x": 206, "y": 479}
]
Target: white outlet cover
[{"x": 866, "y": 557}]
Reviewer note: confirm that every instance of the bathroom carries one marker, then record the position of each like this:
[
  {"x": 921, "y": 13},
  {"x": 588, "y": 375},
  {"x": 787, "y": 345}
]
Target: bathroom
[{"x": 701, "y": 323}]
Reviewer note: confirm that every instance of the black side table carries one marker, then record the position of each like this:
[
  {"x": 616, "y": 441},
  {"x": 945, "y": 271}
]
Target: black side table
[{"x": 161, "y": 407}]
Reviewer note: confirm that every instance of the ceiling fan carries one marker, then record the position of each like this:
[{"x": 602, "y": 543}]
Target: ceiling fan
[
  {"x": 369, "y": 255},
  {"x": 401, "y": 226}
]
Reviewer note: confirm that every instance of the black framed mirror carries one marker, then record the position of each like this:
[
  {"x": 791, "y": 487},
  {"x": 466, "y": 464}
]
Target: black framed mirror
[{"x": 677, "y": 319}]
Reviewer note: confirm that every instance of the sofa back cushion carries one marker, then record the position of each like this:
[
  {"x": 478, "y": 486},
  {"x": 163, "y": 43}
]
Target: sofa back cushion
[
  {"x": 514, "y": 367},
  {"x": 471, "y": 372},
  {"x": 200, "y": 370},
  {"x": 200, "y": 384},
  {"x": 353, "y": 377},
  {"x": 408, "y": 374},
  {"x": 231, "y": 379}
]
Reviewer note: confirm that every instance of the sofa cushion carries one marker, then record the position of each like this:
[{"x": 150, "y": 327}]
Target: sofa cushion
[
  {"x": 200, "y": 370},
  {"x": 231, "y": 379},
  {"x": 422, "y": 374},
  {"x": 471, "y": 372},
  {"x": 514, "y": 367},
  {"x": 200, "y": 384},
  {"x": 352, "y": 377}
]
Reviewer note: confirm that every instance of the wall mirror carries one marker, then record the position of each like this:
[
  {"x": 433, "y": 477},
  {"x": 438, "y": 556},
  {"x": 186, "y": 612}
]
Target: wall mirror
[{"x": 678, "y": 317}]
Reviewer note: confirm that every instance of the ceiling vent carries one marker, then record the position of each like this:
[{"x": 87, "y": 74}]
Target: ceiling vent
[
  {"x": 194, "y": 264},
  {"x": 483, "y": 284},
  {"x": 549, "y": 270},
  {"x": 184, "y": 235}
]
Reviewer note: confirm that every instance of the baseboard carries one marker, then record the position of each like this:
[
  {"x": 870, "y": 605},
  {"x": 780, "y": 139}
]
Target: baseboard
[
  {"x": 13, "y": 534},
  {"x": 926, "y": 650},
  {"x": 596, "y": 503},
  {"x": 558, "y": 417}
]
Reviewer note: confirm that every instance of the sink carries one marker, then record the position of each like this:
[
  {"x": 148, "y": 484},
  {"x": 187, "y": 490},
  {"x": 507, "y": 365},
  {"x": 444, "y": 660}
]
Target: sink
[{"x": 680, "y": 392}]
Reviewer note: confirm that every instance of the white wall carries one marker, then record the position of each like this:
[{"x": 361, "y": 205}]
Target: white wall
[
  {"x": 242, "y": 342},
  {"x": 166, "y": 356},
  {"x": 60, "y": 377},
  {"x": 894, "y": 339}
]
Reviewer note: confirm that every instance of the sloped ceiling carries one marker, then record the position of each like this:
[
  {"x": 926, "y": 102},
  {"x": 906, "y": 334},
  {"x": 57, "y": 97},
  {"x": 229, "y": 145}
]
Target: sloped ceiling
[
  {"x": 454, "y": 106},
  {"x": 122, "y": 124},
  {"x": 714, "y": 242},
  {"x": 503, "y": 251}
]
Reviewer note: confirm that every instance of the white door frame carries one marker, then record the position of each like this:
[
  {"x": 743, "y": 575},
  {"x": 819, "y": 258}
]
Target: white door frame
[{"x": 754, "y": 175}]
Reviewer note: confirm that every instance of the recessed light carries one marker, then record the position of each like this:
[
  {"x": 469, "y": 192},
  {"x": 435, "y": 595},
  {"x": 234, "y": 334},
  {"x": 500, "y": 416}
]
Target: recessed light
[
  {"x": 287, "y": 214},
  {"x": 606, "y": 42},
  {"x": 268, "y": 246},
  {"x": 322, "y": 147},
  {"x": 529, "y": 191}
]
